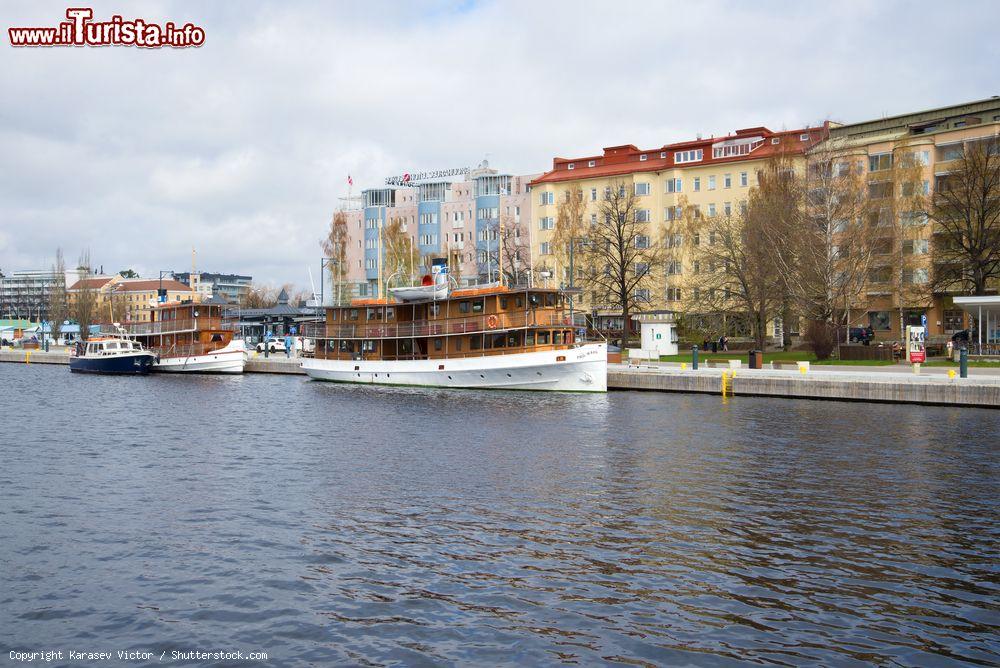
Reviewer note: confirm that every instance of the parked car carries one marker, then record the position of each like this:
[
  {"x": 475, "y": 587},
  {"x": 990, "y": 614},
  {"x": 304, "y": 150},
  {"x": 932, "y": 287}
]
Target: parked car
[
  {"x": 273, "y": 346},
  {"x": 858, "y": 335}
]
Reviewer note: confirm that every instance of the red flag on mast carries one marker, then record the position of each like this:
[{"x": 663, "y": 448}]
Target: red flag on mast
[{"x": 350, "y": 181}]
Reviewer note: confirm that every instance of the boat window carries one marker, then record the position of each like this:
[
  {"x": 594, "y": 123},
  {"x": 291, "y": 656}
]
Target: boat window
[
  {"x": 503, "y": 302},
  {"x": 543, "y": 338},
  {"x": 331, "y": 345},
  {"x": 346, "y": 346},
  {"x": 374, "y": 314},
  {"x": 111, "y": 345},
  {"x": 458, "y": 343},
  {"x": 475, "y": 343},
  {"x": 406, "y": 346},
  {"x": 437, "y": 344},
  {"x": 499, "y": 340},
  {"x": 512, "y": 338},
  {"x": 529, "y": 338},
  {"x": 390, "y": 314},
  {"x": 434, "y": 309},
  {"x": 518, "y": 301},
  {"x": 478, "y": 305},
  {"x": 216, "y": 337},
  {"x": 92, "y": 348},
  {"x": 463, "y": 307},
  {"x": 353, "y": 315},
  {"x": 368, "y": 346},
  {"x": 557, "y": 338},
  {"x": 487, "y": 341},
  {"x": 550, "y": 299},
  {"x": 333, "y": 313},
  {"x": 534, "y": 299}
]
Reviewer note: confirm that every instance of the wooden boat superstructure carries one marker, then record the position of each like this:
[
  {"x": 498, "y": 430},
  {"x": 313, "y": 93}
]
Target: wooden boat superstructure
[
  {"x": 493, "y": 337},
  {"x": 190, "y": 337}
]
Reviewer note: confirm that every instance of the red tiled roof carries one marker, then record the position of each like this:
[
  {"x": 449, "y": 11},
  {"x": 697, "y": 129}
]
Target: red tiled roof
[
  {"x": 92, "y": 283},
  {"x": 148, "y": 284},
  {"x": 625, "y": 159}
]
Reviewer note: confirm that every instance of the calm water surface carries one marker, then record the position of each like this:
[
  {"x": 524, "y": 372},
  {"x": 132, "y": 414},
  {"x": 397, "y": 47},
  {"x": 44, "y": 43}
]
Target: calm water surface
[{"x": 330, "y": 524}]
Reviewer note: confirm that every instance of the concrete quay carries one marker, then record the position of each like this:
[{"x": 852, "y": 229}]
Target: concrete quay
[
  {"x": 56, "y": 356},
  {"x": 277, "y": 363},
  {"x": 935, "y": 389}
]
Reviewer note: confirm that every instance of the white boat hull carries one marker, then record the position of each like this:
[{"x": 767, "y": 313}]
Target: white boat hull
[
  {"x": 583, "y": 369},
  {"x": 230, "y": 359}
]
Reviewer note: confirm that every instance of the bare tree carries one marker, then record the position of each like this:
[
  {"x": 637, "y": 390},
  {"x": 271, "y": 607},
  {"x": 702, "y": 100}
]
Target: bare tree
[
  {"x": 334, "y": 247},
  {"x": 58, "y": 307},
  {"x": 399, "y": 253},
  {"x": 622, "y": 253},
  {"x": 84, "y": 309},
  {"x": 260, "y": 296},
  {"x": 502, "y": 246},
  {"x": 734, "y": 275},
  {"x": 825, "y": 255},
  {"x": 965, "y": 209},
  {"x": 570, "y": 228}
]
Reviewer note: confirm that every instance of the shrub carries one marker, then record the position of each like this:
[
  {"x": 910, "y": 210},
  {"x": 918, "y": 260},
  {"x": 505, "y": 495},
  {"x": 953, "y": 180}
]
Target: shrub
[{"x": 821, "y": 338}]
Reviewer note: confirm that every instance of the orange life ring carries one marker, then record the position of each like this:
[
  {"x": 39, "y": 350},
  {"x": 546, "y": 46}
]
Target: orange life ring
[{"x": 492, "y": 322}]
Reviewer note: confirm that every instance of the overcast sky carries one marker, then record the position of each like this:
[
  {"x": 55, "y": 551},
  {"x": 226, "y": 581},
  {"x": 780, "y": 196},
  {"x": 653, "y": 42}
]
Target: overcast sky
[{"x": 241, "y": 148}]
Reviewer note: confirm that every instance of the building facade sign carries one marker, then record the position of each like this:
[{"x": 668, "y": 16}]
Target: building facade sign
[{"x": 408, "y": 178}]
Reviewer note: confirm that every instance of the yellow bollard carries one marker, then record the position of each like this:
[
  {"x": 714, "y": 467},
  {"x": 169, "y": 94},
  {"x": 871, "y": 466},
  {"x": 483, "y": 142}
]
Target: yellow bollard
[
  {"x": 27, "y": 357},
  {"x": 802, "y": 369},
  {"x": 684, "y": 366},
  {"x": 951, "y": 373}
]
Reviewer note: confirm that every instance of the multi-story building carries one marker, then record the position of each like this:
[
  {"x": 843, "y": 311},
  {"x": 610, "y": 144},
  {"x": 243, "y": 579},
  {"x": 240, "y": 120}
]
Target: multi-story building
[
  {"x": 26, "y": 294},
  {"x": 130, "y": 299},
  {"x": 231, "y": 287},
  {"x": 709, "y": 177},
  {"x": 458, "y": 216},
  {"x": 903, "y": 158}
]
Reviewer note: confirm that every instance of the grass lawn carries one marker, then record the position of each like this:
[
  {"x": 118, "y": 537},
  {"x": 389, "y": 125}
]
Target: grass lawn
[
  {"x": 791, "y": 356},
  {"x": 972, "y": 363}
]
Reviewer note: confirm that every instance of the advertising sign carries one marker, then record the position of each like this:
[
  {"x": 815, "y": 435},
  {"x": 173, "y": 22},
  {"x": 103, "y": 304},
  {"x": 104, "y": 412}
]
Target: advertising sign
[{"x": 916, "y": 350}]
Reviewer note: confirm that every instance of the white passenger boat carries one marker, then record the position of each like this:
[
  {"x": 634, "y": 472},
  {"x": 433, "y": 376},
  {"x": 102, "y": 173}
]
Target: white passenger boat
[
  {"x": 493, "y": 337},
  {"x": 191, "y": 337}
]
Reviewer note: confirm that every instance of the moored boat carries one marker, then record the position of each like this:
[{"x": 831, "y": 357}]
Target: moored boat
[
  {"x": 488, "y": 338},
  {"x": 116, "y": 355},
  {"x": 191, "y": 337}
]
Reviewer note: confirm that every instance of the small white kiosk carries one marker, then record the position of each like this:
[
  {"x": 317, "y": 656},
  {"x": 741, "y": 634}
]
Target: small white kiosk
[{"x": 658, "y": 335}]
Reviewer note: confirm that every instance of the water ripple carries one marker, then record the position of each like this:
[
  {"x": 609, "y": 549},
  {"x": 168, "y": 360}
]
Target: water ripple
[{"x": 328, "y": 524}]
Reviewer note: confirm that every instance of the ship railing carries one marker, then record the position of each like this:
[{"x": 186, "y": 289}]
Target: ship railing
[
  {"x": 442, "y": 327},
  {"x": 187, "y": 350},
  {"x": 178, "y": 326}
]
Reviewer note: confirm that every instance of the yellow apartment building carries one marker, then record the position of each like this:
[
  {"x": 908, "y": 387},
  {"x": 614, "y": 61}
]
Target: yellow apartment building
[
  {"x": 903, "y": 158},
  {"x": 713, "y": 175}
]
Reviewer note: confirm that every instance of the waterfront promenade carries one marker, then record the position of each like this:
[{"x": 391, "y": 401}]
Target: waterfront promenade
[{"x": 893, "y": 384}]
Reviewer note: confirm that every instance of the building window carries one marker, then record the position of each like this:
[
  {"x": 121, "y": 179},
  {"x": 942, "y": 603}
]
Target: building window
[
  {"x": 642, "y": 189},
  {"x": 548, "y": 198},
  {"x": 593, "y": 194},
  {"x": 775, "y": 140},
  {"x": 641, "y": 241},
  {"x": 546, "y": 223},
  {"x": 642, "y": 158},
  {"x": 912, "y": 218},
  {"x": 727, "y": 208},
  {"x": 663, "y": 154},
  {"x": 879, "y": 162},
  {"x": 674, "y": 185},
  {"x": 711, "y": 182},
  {"x": 591, "y": 163},
  {"x": 711, "y": 209},
  {"x": 571, "y": 166},
  {"x": 915, "y": 277},
  {"x": 727, "y": 181},
  {"x": 915, "y": 246},
  {"x": 804, "y": 136},
  {"x": 642, "y": 216},
  {"x": 681, "y": 157},
  {"x": 697, "y": 184}
]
